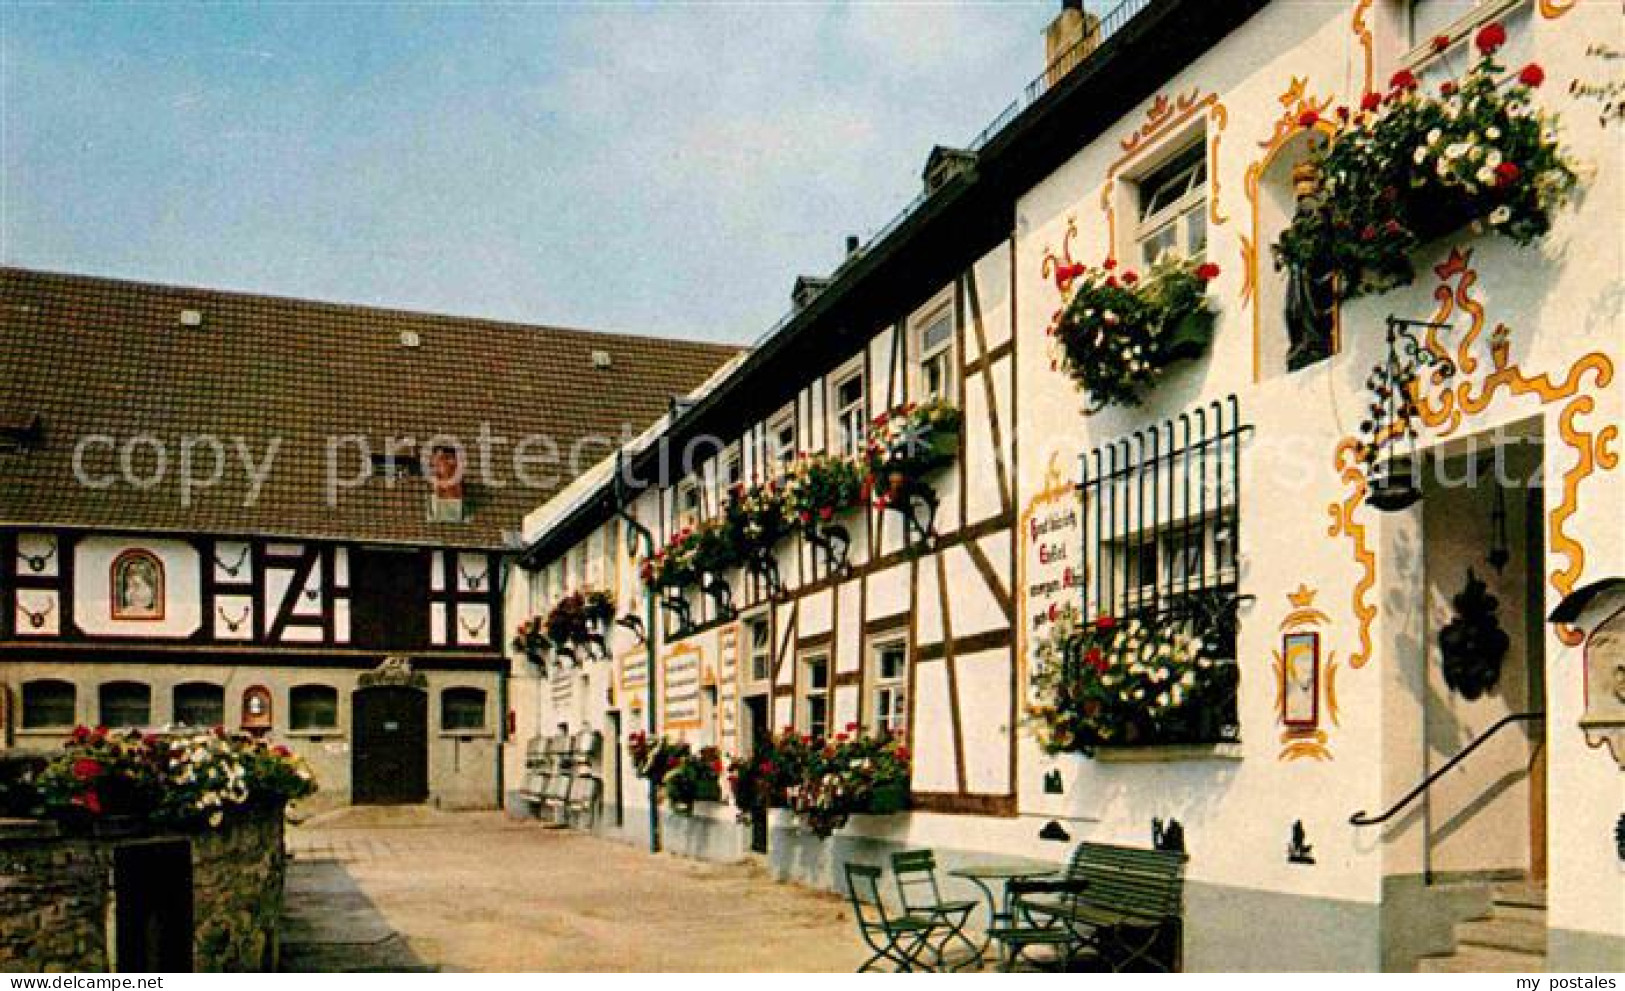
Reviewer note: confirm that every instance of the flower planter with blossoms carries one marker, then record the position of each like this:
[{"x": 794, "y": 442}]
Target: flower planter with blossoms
[
  {"x": 1408, "y": 167},
  {"x": 193, "y": 781},
  {"x": 528, "y": 639},
  {"x": 693, "y": 777},
  {"x": 766, "y": 779},
  {"x": 580, "y": 619},
  {"x": 1111, "y": 683},
  {"x": 851, "y": 774},
  {"x": 908, "y": 443},
  {"x": 758, "y": 517},
  {"x": 1119, "y": 332},
  {"x": 821, "y": 487}
]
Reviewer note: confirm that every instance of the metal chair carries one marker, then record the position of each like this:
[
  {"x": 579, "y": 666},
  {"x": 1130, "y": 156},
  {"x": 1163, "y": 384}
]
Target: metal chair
[
  {"x": 903, "y": 941},
  {"x": 921, "y": 895}
]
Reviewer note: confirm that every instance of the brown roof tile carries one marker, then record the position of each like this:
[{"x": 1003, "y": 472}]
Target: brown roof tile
[{"x": 98, "y": 356}]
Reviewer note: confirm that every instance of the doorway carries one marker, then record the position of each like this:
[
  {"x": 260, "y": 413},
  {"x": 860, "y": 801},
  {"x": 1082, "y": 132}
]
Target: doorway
[
  {"x": 757, "y": 731},
  {"x": 1483, "y": 553},
  {"x": 152, "y": 895},
  {"x": 390, "y": 763}
]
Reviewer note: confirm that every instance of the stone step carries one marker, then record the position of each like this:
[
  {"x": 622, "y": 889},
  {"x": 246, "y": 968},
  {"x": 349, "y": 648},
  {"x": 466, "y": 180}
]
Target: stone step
[
  {"x": 1516, "y": 913},
  {"x": 1483, "y": 960},
  {"x": 1501, "y": 933},
  {"x": 1524, "y": 894}
]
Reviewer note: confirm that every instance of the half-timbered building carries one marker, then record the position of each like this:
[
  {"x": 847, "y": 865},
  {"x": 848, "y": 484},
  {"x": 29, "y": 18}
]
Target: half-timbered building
[
  {"x": 1349, "y": 802},
  {"x": 286, "y": 517}
]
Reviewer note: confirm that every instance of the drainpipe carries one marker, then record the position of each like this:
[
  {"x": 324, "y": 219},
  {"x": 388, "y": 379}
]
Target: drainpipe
[{"x": 639, "y": 534}]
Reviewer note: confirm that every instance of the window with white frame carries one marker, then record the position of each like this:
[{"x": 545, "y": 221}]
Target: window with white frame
[
  {"x": 730, "y": 470},
  {"x": 1456, "y": 22},
  {"x": 759, "y": 641},
  {"x": 815, "y": 689},
  {"x": 934, "y": 343},
  {"x": 781, "y": 438},
  {"x": 1173, "y": 207},
  {"x": 889, "y": 687},
  {"x": 688, "y": 508},
  {"x": 851, "y": 416}
]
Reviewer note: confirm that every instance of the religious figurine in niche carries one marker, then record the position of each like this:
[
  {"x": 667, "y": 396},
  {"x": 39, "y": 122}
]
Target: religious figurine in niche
[
  {"x": 1309, "y": 296},
  {"x": 1300, "y": 676},
  {"x": 138, "y": 586}
]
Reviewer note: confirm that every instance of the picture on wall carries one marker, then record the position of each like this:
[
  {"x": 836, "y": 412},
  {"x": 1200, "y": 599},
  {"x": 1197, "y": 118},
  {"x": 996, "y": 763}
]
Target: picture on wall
[{"x": 1300, "y": 677}]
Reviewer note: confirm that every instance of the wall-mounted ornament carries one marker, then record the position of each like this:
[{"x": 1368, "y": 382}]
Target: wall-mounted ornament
[
  {"x": 1306, "y": 692},
  {"x": 1298, "y": 849},
  {"x": 1052, "y": 782},
  {"x": 37, "y": 558},
  {"x": 1168, "y": 836},
  {"x": 1599, "y": 609},
  {"x": 136, "y": 586},
  {"x": 1054, "y": 831},
  {"x": 1388, "y": 432},
  {"x": 1473, "y": 645},
  {"x": 1500, "y": 553},
  {"x": 257, "y": 714}
]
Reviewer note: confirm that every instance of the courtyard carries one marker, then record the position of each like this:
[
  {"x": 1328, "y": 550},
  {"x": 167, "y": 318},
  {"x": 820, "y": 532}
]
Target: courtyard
[{"x": 412, "y": 888}]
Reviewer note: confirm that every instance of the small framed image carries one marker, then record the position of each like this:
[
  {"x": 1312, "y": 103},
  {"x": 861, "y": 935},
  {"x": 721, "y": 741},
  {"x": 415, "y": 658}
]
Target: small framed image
[{"x": 1300, "y": 680}]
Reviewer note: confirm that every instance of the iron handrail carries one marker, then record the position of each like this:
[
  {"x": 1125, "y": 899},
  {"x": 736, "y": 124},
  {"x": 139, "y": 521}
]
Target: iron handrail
[{"x": 1362, "y": 819}]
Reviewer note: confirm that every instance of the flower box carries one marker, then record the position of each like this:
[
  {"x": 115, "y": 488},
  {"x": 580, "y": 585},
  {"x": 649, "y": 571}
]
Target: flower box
[{"x": 1408, "y": 167}]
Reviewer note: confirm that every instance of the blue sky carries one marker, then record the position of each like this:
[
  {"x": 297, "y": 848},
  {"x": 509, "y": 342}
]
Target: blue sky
[{"x": 662, "y": 168}]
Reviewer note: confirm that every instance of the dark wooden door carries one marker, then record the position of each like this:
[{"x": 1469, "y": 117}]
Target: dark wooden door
[
  {"x": 389, "y": 599},
  {"x": 390, "y": 764},
  {"x": 758, "y": 733}
]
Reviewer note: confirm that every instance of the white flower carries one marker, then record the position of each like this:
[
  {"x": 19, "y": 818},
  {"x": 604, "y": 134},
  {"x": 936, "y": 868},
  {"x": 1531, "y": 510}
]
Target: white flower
[
  {"x": 1500, "y": 215},
  {"x": 1493, "y": 133},
  {"x": 1485, "y": 175},
  {"x": 1434, "y": 136},
  {"x": 1493, "y": 158},
  {"x": 1421, "y": 154},
  {"x": 1189, "y": 680},
  {"x": 1455, "y": 150}
]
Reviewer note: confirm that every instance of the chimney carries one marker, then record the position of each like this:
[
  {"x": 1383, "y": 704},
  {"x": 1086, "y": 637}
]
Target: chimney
[
  {"x": 852, "y": 244},
  {"x": 1068, "y": 40}
]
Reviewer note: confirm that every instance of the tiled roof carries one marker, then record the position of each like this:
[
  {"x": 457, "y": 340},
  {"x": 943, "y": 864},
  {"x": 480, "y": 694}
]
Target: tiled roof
[{"x": 96, "y": 356}]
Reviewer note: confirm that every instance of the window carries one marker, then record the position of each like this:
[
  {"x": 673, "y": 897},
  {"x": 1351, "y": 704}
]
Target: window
[
  {"x": 760, "y": 643},
  {"x": 1459, "y": 20},
  {"x": 688, "y": 503},
  {"x": 198, "y": 703},
  {"x": 313, "y": 707},
  {"x": 125, "y": 703},
  {"x": 729, "y": 472},
  {"x": 935, "y": 348},
  {"x": 815, "y": 696},
  {"x": 850, "y": 414},
  {"x": 781, "y": 438},
  {"x": 462, "y": 709},
  {"x": 890, "y": 687},
  {"x": 1427, "y": 19},
  {"x": 48, "y": 703},
  {"x": 1173, "y": 207}
]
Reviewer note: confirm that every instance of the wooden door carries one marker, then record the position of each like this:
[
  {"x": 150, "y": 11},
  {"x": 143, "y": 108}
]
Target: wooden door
[
  {"x": 757, "y": 732},
  {"x": 390, "y": 762}
]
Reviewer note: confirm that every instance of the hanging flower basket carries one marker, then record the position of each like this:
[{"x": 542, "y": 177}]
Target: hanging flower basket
[
  {"x": 1409, "y": 167},
  {"x": 910, "y": 442},
  {"x": 820, "y": 487},
  {"x": 672, "y": 566},
  {"x": 1119, "y": 333}
]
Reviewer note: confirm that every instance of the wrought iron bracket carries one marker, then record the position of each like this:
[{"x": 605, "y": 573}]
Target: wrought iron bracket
[
  {"x": 721, "y": 594},
  {"x": 633, "y": 623},
  {"x": 917, "y": 504},
  {"x": 765, "y": 566},
  {"x": 835, "y": 541},
  {"x": 677, "y": 606}
]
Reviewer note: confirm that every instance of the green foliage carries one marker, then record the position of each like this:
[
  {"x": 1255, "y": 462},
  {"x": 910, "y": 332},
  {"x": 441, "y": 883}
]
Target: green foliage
[
  {"x": 1409, "y": 167},
  {"x": 1119, "y": 332}
]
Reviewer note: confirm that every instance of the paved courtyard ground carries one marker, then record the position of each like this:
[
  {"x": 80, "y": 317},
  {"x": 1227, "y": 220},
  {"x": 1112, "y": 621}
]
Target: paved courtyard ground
[{"x": 418, "y": 889}]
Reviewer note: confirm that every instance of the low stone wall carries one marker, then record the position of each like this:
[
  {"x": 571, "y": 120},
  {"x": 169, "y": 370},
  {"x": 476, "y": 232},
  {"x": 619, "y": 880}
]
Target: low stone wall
[{"x": 61, "y": 907}]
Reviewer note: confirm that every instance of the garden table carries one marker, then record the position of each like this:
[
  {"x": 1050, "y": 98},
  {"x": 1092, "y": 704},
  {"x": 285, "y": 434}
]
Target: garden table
[{"x": 984, "y": 876}]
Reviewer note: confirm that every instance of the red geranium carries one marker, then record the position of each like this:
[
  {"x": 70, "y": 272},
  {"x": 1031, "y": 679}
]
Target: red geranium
[
  {"x": 1441, "y": 42},
  {"x": 1532, "y": 75},
  {"x": 1370, "y": 102},
  {"x": 1447, "y": 88},
  {"x": 1109, "y": 264},
  {"x": 1096, "y": 658},
  {"x": 1507, "y": 173},
  {"x": 1490, "y": 37},
  {"x": 1207, "y": 271},
  {"x": 90, "y": 802},
  {"x": 1404, "y": 79},
  {"x": 86, "y": 769},
  {"x": 1309, "y": 118},
  {"x": 1105, "y": 622}
]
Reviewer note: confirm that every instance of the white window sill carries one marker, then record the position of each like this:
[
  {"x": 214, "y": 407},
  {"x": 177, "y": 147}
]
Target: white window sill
[
  {"x": 314, "y": 734},
  {"x": 1167, "y": 753}
]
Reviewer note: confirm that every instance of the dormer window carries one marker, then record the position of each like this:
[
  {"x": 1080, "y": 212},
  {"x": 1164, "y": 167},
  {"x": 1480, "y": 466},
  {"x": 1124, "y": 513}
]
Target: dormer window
[
  {"x": 446, "y": 479},
  {"x": 392, "y": 465}
]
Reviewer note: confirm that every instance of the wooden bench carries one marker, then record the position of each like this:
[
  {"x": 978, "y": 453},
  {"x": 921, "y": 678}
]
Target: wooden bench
[{"x": 1123, "y": 903}]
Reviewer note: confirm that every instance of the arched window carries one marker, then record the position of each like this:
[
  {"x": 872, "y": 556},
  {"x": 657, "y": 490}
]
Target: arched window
[
  {"x": 462, "y": 709},
  {"x": 48, "y": 703},
  {"x": 199, "y": 703},
  {"x": 125, "y": 703},
  {"x": 137, "y": 590},
  {"x": 313, "y": 707}
]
